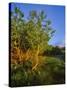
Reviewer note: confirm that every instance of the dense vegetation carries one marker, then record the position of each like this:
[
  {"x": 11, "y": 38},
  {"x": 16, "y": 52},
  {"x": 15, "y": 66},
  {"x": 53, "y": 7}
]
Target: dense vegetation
[{"x": 33, "y": 61}]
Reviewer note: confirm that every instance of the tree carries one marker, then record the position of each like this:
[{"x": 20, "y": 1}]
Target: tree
[
  {"x": 35, "y": 36},
  {"x": 30, "y": 36}
]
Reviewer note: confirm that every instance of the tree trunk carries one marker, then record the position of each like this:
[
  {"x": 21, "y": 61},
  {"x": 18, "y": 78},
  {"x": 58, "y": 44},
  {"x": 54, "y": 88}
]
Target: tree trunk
[{"x": 36, "y": 60}]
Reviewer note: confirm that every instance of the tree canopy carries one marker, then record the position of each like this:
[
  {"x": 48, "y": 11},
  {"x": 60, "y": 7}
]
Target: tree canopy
[{"x": 33, "y": 33}]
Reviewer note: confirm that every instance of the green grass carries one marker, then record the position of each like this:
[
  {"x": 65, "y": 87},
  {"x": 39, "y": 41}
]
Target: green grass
[{"x": 50, "y": 71}]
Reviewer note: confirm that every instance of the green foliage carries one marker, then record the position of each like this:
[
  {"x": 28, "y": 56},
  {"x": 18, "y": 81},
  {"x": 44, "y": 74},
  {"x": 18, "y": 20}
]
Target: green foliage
[
  {"x": 29, "y": 34},
  {"x": 51, "y": 71},
  {"x": 16, "y": 27},
  {"x": 33, "y": 34}
]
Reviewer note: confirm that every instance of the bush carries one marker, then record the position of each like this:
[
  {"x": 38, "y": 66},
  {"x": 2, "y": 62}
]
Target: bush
[{"x": 50, "y": 71}]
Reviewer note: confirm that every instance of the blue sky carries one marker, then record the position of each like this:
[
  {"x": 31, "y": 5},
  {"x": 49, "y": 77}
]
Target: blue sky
[{"x": 54, "y": 13}]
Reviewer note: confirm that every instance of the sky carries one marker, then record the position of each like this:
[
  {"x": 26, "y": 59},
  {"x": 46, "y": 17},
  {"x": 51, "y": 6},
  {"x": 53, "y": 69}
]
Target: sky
[{"x": 56, "y": 14}]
